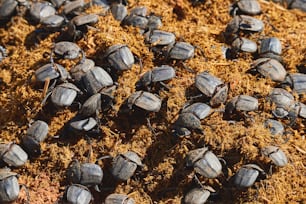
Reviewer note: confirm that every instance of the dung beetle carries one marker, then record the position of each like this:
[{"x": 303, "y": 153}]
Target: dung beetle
[
  {"x": 95, "y": 79},
  {"x": 244, "y": 45},
  {"x": 64, "y": 94},
  {"x": 78, "y": 194},
  {"x": 159, "y": 38},
  {"x": 247, "y": 175},
  {"x": 36, "y": 134},
  {"x": 277, "y": 156},
  {"x": 78, "y": 25},
  {"x": 213, "y": 87},
  {"x": 249, "y": 7},
  {"x": 204, "y": 162},
  {"x": 144, "y": 100},
  {"x": 88, "y": 174},
  {"x": 8, "y": 7},
  {"x": 116, "y": 198},
  {"x": 190, "y": 119},
  {"x": 41, "y": 10},
  {"x": 283, "y": 100},
  {"x": 119, "y": 57},
  {"x": 157, "y": 74},
  {"x": 297, "y": 82},
  {"x": 125, "y": 165},
  {"x": 180, "y": 51},
  {"x": 275, "y": 127},
  {"x": 137, "y": 18},
  {"x": 198, "y": 195},
  {"x": 72, "y": 6},
  {"x": 86, "y": 124},
  {"x": 67, "y": 50},
  {"x": 119, "y": 11},
  {"x": 53, "y": 22},
  {"x": 270, "y": 48},
  {"x": 9, "y": 186},
  {"x": 51, "y": 71},
  {"x": 269, "y": 68},
  {"x": 78, "y": 71},
  {"x": 241, "y": 103},
  {"x": 13, "y": 155}
]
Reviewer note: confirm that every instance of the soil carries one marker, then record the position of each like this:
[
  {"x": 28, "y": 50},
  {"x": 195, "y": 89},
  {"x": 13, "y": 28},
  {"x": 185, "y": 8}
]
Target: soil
[{"x": 164, "y": 177}]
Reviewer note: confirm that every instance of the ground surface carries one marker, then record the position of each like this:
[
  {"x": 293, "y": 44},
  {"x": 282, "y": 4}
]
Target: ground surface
[{"x": 164, "y": 178}]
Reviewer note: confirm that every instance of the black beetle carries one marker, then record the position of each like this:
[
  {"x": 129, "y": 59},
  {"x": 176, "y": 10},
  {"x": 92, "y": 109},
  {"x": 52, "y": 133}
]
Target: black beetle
[
  {"x": 51, "y": 71},
  {"x": 159, "y": 38},
  {"x": 271, "y": 48},
  {"x": 247, "y": 175},
  {"x": 198, "y": 195},
  {"x": 116, "y": 198},
  {"x": 145, "y": 100},
  {"x": 67, "y": 50},
  {"x": 78, "y": 194},
  {"x": 78, "y": 25},
  {"x": 277, "y": 156},
  {"x": 64, "y": 94},
  {"x": 297, "y": 82},
  {"x": 241, "y": 103},
  {"x": 41, "y": 10},
  {"x": 119, "y": 11},
  {"x": 249, "y": 7},
  {"x": 9, "y": 187},
  {"x": 13, "y": 155}
]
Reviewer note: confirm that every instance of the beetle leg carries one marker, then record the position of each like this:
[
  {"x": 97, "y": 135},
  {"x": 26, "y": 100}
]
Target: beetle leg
[{"x": 150, "y": 126}]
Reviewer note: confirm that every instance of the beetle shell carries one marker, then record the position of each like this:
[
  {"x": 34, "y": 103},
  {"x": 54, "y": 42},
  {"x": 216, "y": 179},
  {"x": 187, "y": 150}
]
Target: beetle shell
[
  {"x": 297, "y": 81},
  {"x": 9, "y": 187},
  {"x": 157, "y": 74},
  {"x": 244, "y": 45},
  {"x": 91, "y": 105},
  {"x": 277, "y": 156},
  {"x": 204, "y": 162},
  {"x": 124, "y": 165},
  {"x": 251, "y": 7},
  {"x": 40, "y": 10},
  {"x": 13, "y": 155},
  {"x": 159, "y": 38},
  {"x": 196, "y": 196},
  {"x": 281, "y": 98},
  {"x": 78, "y": 194},
  {"x": 118, "y": 199},
  {"x": 51, "y": 71},
  {"x": 145, "y": 100},
  {"x": 220, "y": 95},
  {"x": 53, "y": 21},
  {"x": 207, "y": 83},
  {"x": 270, "y": 68},
  {"x": 64, "y": 94},
  {"x": 95, "y": 79},
  {"x": 139, "y": 11},
  {"x": 154, "y": 22},
  {"x": 38, "y": 130},
  {"x": 119, "y": 11},
  {"x": 7, "y": 8},
  {"x": 275, "y": 127},
  {"x": 120, "y": 57},
  {"x": 181, "y": 51},
  {"x": 247, "y": 175},
  {"x": 85, "y": 19},
  {"x": 81, "y": 69},
  {"x": 136, "y": 21},
  {"x": 71, "y": 6},
  {"x": 201, "y": 110},
  {"x": 84, "y": 125},
  {"x": 244, "y": 23},
  {"x": 189, "y": 120},
  {"x": 67, "y": 50},
  {"x": 86, "y": 174},
  {"x": 242, "y": 103},
  {"x": 270, "y": 45}
]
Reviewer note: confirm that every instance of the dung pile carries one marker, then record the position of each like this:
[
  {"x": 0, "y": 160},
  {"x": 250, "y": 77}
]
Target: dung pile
[{"x": 164, "y": 177}]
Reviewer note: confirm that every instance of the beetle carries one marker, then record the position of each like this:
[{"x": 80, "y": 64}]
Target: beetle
[
  {"x": 190, "y": 119},
  {"x": 119, "y": 57},
  {"x": 116, "y": 198},
  {"x": 275, "y": 127},
  {"x": 86, "y": 124},
  {"x": 244, "y": 45},
  {"x": 36, "y": 134},
  {"x": 213, "y": 87},
  {"x": 159, "y": 38},
  {"x": 204, "y": 162},
  {"x": 79, "y": 24},
  {"x": 41, "y": 10},
  {"x": 119, "y": 11},
  {"x": 198, "y": 195},
  {"x": 137, "y": 18},
  {"x": 64, "y": 94},
  {"x": 270, "y": 48},
  {"x": 277, "y": 156},
  {"x": 269, "y": 68},
  {"x": 78, "y": 194},
  {"x": 8, "y": 7},
  {"x": 144, "y": 100},
  {"x": 241, "y": 103},
  {"x": 67, "y": 50},
  {"x": 78, "y": 71},
  {"x": 157, "y": 74},
  {"x": 95, "y": 79},
  {"x": 249, "y": 7},
  {"x": 88, "y": 174},
  {"x": 297, "y": 82},
  {"x": 12, "y": 154},
  {"x": 72, "y": 6},
  {"x": 124, "y": 165},
  {"x": 9, "y": 186},
  {"x": 247, "y": 175},
  {"x": 51, "y": 71},
  {"x": 180, "y": 51},
  {"x": 283, "y": 100},
  {"x": 52, "y": 22}
]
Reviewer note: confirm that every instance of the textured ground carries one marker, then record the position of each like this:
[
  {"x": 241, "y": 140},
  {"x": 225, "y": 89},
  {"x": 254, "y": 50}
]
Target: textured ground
[{"x": 164, "y": 178}]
